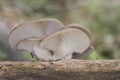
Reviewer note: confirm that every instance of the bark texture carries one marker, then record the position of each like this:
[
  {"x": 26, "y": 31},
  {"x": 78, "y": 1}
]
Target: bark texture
[{"x": 61, "y": 70}]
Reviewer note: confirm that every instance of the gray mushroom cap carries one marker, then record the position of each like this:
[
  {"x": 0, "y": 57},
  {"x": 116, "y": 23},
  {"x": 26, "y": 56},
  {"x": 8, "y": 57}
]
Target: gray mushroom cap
[
  {"x": 66, "y": 41},
  {"x": 34, "y": 29},
  {"x": 28, "y": 44}
]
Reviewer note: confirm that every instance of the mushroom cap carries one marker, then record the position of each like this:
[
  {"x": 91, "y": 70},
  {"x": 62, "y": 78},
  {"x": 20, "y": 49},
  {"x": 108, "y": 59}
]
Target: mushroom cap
[
  {"x": 66, "y": 41},
  {"x": 34, "y": 29},
  {"x": 78, "y": 26},
  {"x": 28, "y": 44}
]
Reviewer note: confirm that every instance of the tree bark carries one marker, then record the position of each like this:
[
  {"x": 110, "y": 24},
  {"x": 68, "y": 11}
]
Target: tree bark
[{"x": 61, "y": 70}]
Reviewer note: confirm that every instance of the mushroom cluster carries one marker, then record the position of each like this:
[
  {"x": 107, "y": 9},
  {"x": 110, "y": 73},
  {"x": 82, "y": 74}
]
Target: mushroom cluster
[{"x": 48, "y": 39}]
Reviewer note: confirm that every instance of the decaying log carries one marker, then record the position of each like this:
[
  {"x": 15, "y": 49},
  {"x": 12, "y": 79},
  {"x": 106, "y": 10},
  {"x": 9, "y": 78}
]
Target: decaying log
[{"x": 61, "y": 70}]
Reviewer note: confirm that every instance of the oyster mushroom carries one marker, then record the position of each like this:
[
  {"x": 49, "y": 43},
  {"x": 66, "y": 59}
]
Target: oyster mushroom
[
  {"x": 34, "y": 29},
  {"x": 63, "y": 43},
  {"x": 48, "y": 39}
]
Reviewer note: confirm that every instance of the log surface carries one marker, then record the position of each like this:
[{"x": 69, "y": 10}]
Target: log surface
[{"x": 61, "y": 70}]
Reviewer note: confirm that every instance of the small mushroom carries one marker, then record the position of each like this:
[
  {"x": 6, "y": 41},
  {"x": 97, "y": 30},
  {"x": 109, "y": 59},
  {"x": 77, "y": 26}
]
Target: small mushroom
[
  {"x": 66, "y": 41},
  {"x": 34, "y": 29}
]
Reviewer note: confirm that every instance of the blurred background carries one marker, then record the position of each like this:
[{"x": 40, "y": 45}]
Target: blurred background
[{"x": 101, "y": 17}]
